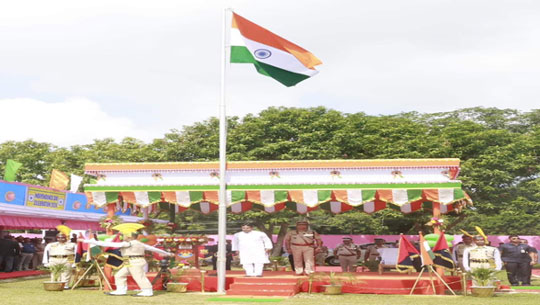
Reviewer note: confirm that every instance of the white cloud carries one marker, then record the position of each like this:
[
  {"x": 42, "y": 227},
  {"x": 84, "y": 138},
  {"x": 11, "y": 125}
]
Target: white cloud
[
  {"x": 157, "y": 63},
  {"x": 74, "y": 121}
]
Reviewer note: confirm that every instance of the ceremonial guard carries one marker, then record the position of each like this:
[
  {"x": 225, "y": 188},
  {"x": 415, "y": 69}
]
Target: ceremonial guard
[
  {"x": 61, "y": 252},
  {"x": 460, "y": 248},
  {"x": 301, "y": 243},
  {"x": 348, "y": 254},
  {"x": 134, "y": 263},
  {"x": 481, "y": 256}
]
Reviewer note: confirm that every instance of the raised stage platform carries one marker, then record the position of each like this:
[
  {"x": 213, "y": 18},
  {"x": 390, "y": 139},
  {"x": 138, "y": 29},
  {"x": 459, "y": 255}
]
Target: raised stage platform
[{"x": 285, "y": 283}]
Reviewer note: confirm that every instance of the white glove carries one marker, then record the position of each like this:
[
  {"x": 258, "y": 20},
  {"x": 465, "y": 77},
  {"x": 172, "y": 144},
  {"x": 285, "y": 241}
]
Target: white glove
[
  {"x": 46, "y": 265},
  {"x": 73, "y": 265}
]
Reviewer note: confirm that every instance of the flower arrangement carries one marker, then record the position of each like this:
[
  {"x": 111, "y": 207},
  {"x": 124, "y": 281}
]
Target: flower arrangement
[
  {"x": 148, "y": 225},
  {"x": 107, "y": 223},
  {"x": 171, "y": 243},
  {"x": 435, "y": 222},
  {"x": 172, "y": 226}
]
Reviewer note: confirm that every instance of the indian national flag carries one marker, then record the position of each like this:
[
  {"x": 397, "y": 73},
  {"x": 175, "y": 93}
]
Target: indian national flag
[{"x": 272, "y": 55}]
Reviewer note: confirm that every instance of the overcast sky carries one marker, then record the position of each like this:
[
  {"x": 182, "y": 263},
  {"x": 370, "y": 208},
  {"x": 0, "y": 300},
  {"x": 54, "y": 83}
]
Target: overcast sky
[{"x": 75, "y": 70}]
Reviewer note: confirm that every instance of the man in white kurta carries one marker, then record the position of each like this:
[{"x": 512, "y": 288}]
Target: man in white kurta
[{"x": 253, "y": 248}]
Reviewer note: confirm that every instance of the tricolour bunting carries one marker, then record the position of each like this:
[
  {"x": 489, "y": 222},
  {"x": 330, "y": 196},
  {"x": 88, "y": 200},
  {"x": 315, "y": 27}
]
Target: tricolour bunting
[{"x": 271, "y": 54}]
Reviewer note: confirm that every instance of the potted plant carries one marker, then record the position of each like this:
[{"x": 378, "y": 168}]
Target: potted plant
[
  {"x": 372, "y": 265},
  {"x": 279, "y": 263},
  {"x": 335, "y": 282},
  {"x": 175, "y": 285},
  {"x": 55, "y": 284},
  {"x": 483, "y": 282}
]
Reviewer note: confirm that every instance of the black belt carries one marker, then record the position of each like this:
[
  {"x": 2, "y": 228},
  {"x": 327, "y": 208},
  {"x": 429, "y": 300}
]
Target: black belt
[
  {"x": 62, "y": 256},
  {"x": 480, "y": 260},
  {"x": 134, "y": 256}
]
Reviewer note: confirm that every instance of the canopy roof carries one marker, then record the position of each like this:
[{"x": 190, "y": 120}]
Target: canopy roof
[
  {"x": 336, "y": 185},
  {"x": 26, "y": 206}
]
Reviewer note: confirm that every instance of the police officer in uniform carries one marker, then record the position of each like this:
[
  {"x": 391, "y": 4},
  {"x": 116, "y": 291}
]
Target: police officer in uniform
[
  {"x": 372, "y": 252},
  {"x": 348, "y": 254},
  {"x": 301, "y": 243},
  {"x": 460, "y": 248},
  {"x": 61, "y": 252},
  {"x": 133, "y": 252},
  {"x": 481, "y": 256}
]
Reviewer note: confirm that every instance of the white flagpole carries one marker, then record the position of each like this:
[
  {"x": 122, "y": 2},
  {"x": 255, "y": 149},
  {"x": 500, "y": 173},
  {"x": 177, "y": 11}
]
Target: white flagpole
[{"x": 222, "y": 218}]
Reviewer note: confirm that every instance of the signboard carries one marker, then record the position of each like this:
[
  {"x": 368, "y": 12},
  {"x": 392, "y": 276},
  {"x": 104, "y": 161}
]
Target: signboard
[{"x": 48, "y": 199}]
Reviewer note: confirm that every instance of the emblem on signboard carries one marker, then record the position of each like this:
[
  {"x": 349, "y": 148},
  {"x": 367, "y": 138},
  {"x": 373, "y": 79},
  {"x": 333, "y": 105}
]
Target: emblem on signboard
[{"x": 10, "y": 196}]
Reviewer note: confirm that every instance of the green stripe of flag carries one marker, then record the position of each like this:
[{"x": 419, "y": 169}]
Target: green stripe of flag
[{"x": 241, "y": 54}]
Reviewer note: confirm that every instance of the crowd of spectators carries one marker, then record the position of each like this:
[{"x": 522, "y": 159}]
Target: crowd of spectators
[{"x": 20, "y": 253}]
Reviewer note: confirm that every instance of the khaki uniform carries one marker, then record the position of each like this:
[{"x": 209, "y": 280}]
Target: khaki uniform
[
  {"x": 372, "y": 252},
  {"x": 458, "y": 254},
  {"x": 133, "y": 254},
  {"x": 302, "y": 245},
  {"x": 348, "y": 256},
  {"x": 134, "y": 265},
  {"x": 321, "y": 256},
  {"x": 60, "y": 253}
]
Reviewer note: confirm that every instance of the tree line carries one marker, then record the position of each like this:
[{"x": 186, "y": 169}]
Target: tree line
[{"x": 498, "y": 149}]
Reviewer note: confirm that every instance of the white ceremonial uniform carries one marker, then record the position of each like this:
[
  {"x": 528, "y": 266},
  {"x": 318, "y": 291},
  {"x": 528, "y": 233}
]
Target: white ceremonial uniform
[
  {"x": 481, "y": 257},
  {"x": 252, "y": 247},
  {"x": 133, "y": 251}
]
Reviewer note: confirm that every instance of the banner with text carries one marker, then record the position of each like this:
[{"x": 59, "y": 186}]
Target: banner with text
[{"x": 42, "y": 198}]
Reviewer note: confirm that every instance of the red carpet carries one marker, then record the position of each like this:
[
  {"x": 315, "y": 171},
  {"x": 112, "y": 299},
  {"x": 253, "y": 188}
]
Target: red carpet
[
  {"x": 285, "y": 283},
  {"x": 16, "y": 274}
]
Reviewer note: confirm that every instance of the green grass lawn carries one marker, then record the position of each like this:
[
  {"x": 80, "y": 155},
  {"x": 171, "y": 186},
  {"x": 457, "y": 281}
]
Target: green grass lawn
[{"x": 30, "y": 292}]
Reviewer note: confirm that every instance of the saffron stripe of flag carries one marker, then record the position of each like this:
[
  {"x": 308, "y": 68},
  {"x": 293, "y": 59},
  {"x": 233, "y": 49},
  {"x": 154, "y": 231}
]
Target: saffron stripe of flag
[
  {"x": 425, "y": 252},
  {"x": 271, "y": 54}
]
